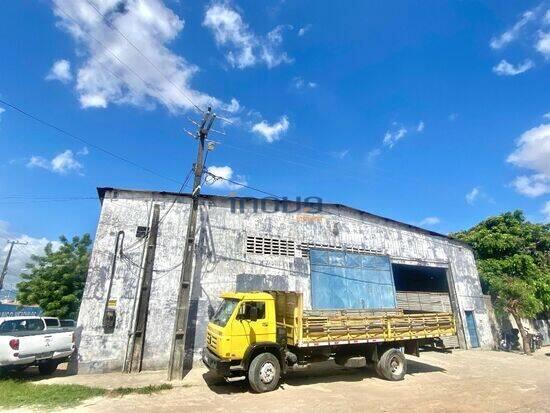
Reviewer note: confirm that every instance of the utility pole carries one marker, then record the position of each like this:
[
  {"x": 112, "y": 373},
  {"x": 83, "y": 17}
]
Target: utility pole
[
  {"x": 7, "y": 262},
  {"x": 177, "y": 353}
]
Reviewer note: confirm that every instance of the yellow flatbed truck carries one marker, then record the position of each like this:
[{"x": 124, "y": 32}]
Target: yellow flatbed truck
[{"x": 260, "y": 335}]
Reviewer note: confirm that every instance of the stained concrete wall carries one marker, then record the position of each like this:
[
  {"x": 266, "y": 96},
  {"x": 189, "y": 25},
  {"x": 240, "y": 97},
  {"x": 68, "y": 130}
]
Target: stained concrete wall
[{"x": 222, "y": 264}]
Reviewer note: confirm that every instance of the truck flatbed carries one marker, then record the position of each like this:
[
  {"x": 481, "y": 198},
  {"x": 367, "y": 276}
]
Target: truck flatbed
[{"x": 313, "y": 328}]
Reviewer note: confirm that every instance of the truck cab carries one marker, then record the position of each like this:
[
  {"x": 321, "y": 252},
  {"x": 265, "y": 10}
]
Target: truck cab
[{"x": 242, "y": 323}]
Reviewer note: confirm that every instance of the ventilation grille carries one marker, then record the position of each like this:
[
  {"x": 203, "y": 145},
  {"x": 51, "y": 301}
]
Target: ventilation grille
[
  {"x": 270, "y": 246},
  {"x": 306, "y": 246}
]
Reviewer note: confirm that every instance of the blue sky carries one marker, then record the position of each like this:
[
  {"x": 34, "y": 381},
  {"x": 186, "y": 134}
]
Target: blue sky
[{"x": 435, "y": 113}]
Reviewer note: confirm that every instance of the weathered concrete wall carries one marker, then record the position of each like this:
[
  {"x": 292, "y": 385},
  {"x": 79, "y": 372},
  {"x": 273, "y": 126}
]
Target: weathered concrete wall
[{"x": 222, "y": 264}]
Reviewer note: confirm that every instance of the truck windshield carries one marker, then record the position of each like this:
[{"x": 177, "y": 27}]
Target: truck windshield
[
  {"x": 32, "y": 324},
  {"x": 224, "y": 312}
]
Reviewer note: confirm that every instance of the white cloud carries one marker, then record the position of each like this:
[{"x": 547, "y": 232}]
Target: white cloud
[
  {"x": 299, "y": 83},
  {"x": 532, "y": 186},
  {"x": 21, "y": 254},
  {"x": 472, "y": 195},
  {"x": 429, "y": 221},
  {"x": 114, "y": 71},
  {"x": 83, "y": 152},
  {"x": 304, "y": 30},
  {"x": 61, "y": 70},
  {"x": 93, "y": 101},
  {"x": 372, "y": 155},
  {"x": 38, "y": 162},
  {"x": 392, "y": 137},
  {"x": 543, "y": 44},
  {"x": 546, "y": 211},
  {"x": 65, "y": 162},
  {"x": 2, "y": 110},
  {"x": 533, "y": 152},
  {"x": 477, "y": 194},
  {"x": 507, "y": 69},
  {"x": 420, "y": 126},
  {"x": 273, "y": 132},
  {"x": 62, "y": 163},
  {"x": 545, "y": 116},
  {"x": 225, "y": 172},
  {"x": 341, "y": 154},
  {"x": 232, "y": 107},
  {"x": 245, "y": 48},
  {"x": 511, "y": 34}
]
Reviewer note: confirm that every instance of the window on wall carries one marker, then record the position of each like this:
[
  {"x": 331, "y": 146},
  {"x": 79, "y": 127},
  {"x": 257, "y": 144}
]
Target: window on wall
[{"x": 270, "y": 246}]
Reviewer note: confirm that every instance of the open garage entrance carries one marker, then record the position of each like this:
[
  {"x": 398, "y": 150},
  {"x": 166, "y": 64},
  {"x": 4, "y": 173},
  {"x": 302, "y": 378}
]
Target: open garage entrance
[{"x": 422, "y": 288}]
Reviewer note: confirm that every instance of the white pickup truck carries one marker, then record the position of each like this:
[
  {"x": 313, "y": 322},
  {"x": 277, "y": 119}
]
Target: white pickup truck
[{"x": 27, "y": 341}]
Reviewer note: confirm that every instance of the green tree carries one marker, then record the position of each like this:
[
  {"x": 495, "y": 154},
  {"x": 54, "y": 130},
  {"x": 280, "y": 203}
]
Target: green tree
[
  {"x": 513, "y": 259},
  {"x": 55, "y": 281}
]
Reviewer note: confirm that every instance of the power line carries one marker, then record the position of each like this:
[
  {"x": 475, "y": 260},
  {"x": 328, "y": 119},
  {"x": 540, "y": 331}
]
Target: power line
[
  {"x": 82, "y": 140},
  {"x": 183, "y": 185},
  {"x": 216, "y": 177},
  {"x": 113, "y": 27},
  {"x": 327, "y": 212}
]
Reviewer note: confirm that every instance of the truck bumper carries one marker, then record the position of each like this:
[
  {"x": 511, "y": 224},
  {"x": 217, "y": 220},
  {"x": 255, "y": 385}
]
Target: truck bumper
[
  {"x": 59, "y": 356},
  {"x": 217, "y": 365}
]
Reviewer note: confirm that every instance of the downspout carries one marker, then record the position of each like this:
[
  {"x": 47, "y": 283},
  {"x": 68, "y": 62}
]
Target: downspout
[{"x": 109, "y": 314}]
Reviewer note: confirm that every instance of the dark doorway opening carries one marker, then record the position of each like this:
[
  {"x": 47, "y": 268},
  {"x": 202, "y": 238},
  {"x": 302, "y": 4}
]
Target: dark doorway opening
[
  {"x": 417, "y": 278},
  {"x": 420, "y": 289}
]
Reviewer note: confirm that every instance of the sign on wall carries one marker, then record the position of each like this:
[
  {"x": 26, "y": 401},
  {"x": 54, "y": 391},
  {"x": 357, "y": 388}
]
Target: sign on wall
[{"x": 11, "y": 310}]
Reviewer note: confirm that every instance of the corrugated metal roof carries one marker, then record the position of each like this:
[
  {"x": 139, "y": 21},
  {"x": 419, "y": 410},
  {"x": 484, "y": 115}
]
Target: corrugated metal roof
[{"x": 102, "y": 190}]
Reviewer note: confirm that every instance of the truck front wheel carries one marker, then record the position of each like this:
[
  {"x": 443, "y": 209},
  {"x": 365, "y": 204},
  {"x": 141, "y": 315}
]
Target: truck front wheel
[
  {"x": 392, "y": 365},
  {"x": 264, "y": 373}
]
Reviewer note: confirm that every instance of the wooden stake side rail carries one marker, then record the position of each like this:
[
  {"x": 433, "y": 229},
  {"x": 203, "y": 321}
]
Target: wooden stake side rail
[
  {"x": 351, "y": 329},
  {"x": 335, "y": 327}
]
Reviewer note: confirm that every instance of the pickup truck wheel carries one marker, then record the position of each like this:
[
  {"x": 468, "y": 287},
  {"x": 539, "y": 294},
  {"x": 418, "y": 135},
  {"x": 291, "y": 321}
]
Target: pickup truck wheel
[
  {"x": 47, "y": 367},
  {"x": 392, "y": 365},
  {"x": 264, "y": 373}
]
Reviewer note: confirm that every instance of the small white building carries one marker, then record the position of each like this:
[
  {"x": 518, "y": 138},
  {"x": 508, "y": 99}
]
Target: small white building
[{"x": 335, "y": 255}]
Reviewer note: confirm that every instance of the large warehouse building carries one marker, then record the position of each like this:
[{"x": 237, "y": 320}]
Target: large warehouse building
[{"x": 337, "y": 256}]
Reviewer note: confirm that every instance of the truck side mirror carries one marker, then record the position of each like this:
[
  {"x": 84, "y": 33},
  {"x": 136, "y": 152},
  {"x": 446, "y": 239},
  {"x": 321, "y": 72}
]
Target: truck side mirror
[{"x": 253, "y": 313}]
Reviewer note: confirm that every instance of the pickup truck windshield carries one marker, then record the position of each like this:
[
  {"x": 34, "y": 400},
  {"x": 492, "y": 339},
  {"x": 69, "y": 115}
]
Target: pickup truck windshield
[
  {"x": 224, "y": 311},
  {"x": 22, "y": 325},
  {"x": 51, "y": 322}
]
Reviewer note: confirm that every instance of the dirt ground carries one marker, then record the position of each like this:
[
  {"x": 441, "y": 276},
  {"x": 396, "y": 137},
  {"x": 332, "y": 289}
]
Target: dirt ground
[{"x": 464, "y": 381}]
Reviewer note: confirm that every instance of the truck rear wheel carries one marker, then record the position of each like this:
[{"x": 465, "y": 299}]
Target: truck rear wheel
[
  {"x": 47, "y": 367},
  {"x": 392, "y": 365},
  {"x": 264, "y": 373}
]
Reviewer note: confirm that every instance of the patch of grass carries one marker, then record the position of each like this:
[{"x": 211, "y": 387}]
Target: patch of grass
[
  {"x": 24, "y": 393},
  {"x": 18, "y": 393},
  {"x": 123, "y": 391}
]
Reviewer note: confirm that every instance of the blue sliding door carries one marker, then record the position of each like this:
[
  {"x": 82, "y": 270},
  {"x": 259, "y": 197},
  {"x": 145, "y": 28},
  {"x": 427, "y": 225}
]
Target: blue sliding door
[
  {"x": 350, "y": 281},
  {"x": 472, "y": 330}
]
